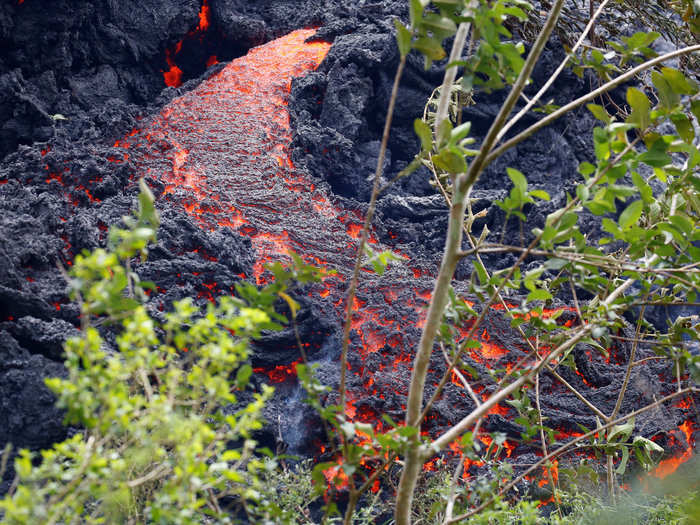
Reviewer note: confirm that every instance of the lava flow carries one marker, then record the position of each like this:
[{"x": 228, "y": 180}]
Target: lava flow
[{"x": 221, "y": 152}]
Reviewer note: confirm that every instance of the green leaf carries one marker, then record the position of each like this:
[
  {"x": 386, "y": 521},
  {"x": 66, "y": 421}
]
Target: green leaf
[
  {"x": 582, "y": 192},
  {"x": 243, "y": 375},
  {"x": 641, "y": 39},
  {"x": 611, "y": 227},
  {"x": 678, "y": 82},
  {"x": 644, "y": 189},
  {"x": 683, "y": 126},
  {"x": 429, "y": 47},
  {"x": 539, "y": 295},
  {"x": 460, "y": 132},
  {"x": 516, "y": 12},
  {"x": 656, "y": 156},
  {"x": 695, "y": 108},
  {"x": 601, "y": 145},
  {"x": 623, "y": 462},
  {"x": 403, "y": 37},
  {"x": 447, "y": 5},
  {"x": 450, "y": 162},
  {"x": 438, "y": 24},
  {"x": 424, "y": 133},
  {"x": 682, "y": 223},
  {"x": 380, "y": 261},
  {"x": 631, "y": 215},
  {"x": 518, "y": 179},
  {"x": 668, "y": 97},
  {"x": 648, "y": 444},
  {"x": 481, "y": 272},
  {"x": 599, "y": 113},
  {"x": 540, "y": 194},
  {"x": 415, "y": 11},
  {"x": 586, "y": 168},
  {"x": 639, "y": 103},
  {"x": 623, "y": 430},
  {"x": 147, "y": 210},
  {"x": 555, "y": 264},
  {"x": 567, "y": 221}
]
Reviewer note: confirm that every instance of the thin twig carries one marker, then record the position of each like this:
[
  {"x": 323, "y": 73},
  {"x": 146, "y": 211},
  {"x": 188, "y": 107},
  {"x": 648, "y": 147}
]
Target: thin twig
[
  {"x": 365, "y": 230},
  {"x": 582, "y": 100},
  {"x": 555, "y": 490},
  {"x": 630, "y": 365},
  {"x": 554, "y": 75}
]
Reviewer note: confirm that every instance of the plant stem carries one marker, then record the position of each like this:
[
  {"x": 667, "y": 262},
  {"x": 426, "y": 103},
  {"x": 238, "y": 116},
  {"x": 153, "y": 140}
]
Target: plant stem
[
  {"x": 451, "y": 73},
  {"x": 413, "y": 463},
  {"x": 352, "y": 503},
  {"x": 630, "y": 365},
  {"x": 610, "y": 477}
]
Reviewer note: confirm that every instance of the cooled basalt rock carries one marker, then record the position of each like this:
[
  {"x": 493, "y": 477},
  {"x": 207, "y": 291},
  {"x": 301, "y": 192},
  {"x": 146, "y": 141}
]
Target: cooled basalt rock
[{"x": 28, "y": 415}]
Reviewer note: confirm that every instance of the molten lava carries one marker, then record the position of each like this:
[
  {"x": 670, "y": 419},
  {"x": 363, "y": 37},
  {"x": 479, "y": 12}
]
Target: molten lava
[
  {"x": 221, "y": 153},
  {"x": 173, "y": 76},
  {"x": 683, "y": 440}
]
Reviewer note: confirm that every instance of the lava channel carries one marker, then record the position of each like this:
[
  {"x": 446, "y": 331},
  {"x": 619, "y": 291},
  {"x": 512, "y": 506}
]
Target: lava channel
[{"x": 221, "y": 152}]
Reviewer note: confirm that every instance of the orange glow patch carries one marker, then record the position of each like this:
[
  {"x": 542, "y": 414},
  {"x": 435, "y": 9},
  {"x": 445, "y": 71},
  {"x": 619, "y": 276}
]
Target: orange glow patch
[
  {"x": 336, "y": 476},
  {"x": 553, "y": 470},
  {"x": 686, "y": 403},
  {"x": 670, "y": 465},
  {"x": 354, "y": 230},
  {"x": 280, "y": 373},
  {"x": 173, "y": 76},
  {"x": 204, "y": 16},
  {"x": 488, "y": 350}
]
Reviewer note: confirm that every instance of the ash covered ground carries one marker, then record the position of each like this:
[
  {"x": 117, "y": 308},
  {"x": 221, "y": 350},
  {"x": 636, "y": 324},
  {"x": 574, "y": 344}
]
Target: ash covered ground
[{"x": 85, "y": 111}]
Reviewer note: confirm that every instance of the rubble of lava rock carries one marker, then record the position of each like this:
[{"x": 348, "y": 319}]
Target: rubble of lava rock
[{"x": 257, "y": 126}]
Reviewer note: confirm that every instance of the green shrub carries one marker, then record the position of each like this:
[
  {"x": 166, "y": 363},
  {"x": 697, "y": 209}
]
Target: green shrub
[{"x": 164, "y": 436}]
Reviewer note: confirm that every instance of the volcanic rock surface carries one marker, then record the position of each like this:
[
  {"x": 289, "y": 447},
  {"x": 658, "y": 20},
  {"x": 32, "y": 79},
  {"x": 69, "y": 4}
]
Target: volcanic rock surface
[{"x": 270, "y": 153}]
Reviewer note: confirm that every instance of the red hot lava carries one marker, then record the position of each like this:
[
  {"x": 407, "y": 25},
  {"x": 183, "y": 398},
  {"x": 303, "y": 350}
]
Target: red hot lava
[{"x": 173, "y": 76}]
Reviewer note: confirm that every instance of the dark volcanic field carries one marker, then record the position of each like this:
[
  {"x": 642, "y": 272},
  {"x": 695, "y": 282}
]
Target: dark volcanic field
[{"x": 77, "y": 78}]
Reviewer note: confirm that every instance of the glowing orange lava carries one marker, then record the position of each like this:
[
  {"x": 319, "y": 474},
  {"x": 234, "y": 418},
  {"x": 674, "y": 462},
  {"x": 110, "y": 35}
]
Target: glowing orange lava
[
  {"x": 670, "y": 465},
  {"x": 173, "y": 76}
]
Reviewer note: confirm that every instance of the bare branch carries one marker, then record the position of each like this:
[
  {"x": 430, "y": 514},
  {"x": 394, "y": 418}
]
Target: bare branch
[
  {"x": 554, "y": 75},
  {"x": 582, "y": 100}
]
